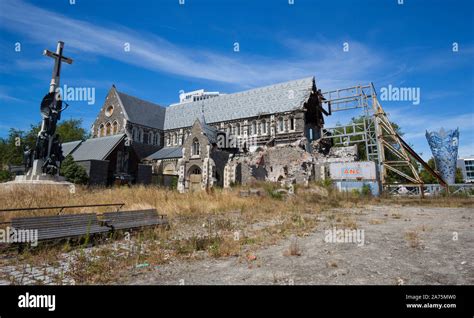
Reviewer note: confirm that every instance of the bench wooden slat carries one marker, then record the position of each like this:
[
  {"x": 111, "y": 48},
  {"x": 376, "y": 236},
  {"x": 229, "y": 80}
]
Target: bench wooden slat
[
  {"x": 81, "y": 225},
  {"x": 61, "y": 226},
  {"x": 75, "y": 233},
  {"x": 62, "y": 217},
  {"x": 131, "y": 219}
]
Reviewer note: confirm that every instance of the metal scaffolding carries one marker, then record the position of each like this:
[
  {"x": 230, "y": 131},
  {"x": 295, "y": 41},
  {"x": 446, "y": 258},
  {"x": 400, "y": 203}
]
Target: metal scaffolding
[{"x": 383, "y": 144}]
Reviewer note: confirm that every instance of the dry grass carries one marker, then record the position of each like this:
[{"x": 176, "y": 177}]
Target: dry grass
[
  {"x": 202, "y": 225},
  {"x": 331, "y": 263},
  {"x": 173, "y": 203},
  {"x": 376, "y": 221},
  {"x": 293, "y": 249},
  {"x": 165, "y": 201},
  {"x": 413, "y": 239},
  {"x": 349, "y": 223},
  {"x": 396, "y": 216}
]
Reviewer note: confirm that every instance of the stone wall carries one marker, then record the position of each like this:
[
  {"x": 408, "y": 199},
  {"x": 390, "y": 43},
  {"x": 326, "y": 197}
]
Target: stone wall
[
  {"x": 335, "y": 154},
  {"x": 220, "y": 159},
  {"x": 146, "y": 140},
  {"x": 284, "y": 128},
  {"x": 192, "y": 161},
  {"x": 287, "y": 164},
  {"x": 103, "y": 118}
]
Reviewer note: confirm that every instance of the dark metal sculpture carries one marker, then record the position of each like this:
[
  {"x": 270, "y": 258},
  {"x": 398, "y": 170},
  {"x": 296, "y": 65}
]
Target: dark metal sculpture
[{"x": 48, "y": 146}]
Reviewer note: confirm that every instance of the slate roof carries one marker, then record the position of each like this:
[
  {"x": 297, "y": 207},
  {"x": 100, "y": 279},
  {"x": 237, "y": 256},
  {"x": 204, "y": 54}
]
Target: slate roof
[
  {"x": 97, "y": 148},
  {"x": 69, "y": 147},
  {"x": 142, "y": 112},
  {"x": 166, "y": 153},
  {"x": 271, "y": 99},
  {"x": 209, "y": 131}
]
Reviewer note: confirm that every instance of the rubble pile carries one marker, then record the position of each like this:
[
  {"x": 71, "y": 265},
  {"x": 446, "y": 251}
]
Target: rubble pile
[{"x": 288, "y": 164}]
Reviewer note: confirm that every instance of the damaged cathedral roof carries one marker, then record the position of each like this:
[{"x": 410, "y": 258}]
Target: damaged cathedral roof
[{"x": 272, "y": 99}]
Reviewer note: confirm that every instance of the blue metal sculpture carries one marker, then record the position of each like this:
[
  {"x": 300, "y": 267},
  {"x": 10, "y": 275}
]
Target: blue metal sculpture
[{"x": 444, "y": 146}]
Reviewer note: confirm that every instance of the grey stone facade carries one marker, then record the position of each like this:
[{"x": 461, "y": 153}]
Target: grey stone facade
[
  {"x": 114, "y": 118},
  {"x": 282, "y": 128},
  {"x": 202, "y": 164},
  {"x": 286, "y": 164},
  {"x": 204, "y": 143}
]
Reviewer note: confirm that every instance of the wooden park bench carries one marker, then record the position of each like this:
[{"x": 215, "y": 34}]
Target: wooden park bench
[
  {"x": 133, "y": 219},
  {"x": 61, "y": 226}
]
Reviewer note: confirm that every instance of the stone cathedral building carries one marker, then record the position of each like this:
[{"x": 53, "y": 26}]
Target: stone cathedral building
[{"x": 212, "y": 139}]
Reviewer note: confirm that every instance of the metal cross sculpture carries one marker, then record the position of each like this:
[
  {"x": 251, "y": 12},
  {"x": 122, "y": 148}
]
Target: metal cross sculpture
[{"x": 48, "y": 147}]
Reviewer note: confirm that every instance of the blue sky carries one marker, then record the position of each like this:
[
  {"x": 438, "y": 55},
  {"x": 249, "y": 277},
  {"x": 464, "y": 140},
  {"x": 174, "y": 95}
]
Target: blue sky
[{"x": 177, "y": 47}]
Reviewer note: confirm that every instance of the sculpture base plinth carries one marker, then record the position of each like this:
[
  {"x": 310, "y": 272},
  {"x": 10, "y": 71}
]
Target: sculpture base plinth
[
  {"x": 36, "y": 182},
  {"x": 34, "y": 178}
]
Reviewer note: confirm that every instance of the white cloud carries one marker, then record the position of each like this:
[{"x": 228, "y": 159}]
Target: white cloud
[
  {"x": 9, "y": 98},
  {"x": 414, "y": 126},
  {"x": 148, "y": 51}
]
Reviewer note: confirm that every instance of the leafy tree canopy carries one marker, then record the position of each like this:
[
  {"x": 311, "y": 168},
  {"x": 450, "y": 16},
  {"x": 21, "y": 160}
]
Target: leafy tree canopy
[{"x": 12, "y": 146}]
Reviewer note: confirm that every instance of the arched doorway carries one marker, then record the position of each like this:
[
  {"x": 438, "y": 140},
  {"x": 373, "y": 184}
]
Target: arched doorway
[{"x": 195, "y": 177}]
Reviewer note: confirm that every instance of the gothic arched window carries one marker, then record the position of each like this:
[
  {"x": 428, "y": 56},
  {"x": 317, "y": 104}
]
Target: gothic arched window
[
  {"x": 140, "y": 135},
  {"x": 292, "y": 123},
  {"x": 196, "y": 148},
  {"x": 115, "y": 128},
  {"x": 281, "y": 124},
  {"x": 263, "y": 127},
  {"x": 151, "y": 138}
]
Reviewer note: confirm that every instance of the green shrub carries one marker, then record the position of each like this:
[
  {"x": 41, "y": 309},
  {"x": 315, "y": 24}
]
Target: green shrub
[
  {"x": 276, "y": 195},
  {"x": 73, "y": 172},
  {"x": 355, "y": 191},
  {"x": 365, "y": 191},
  {"x": 5, "y": 176},
  {"x": 174, "y": 183}
]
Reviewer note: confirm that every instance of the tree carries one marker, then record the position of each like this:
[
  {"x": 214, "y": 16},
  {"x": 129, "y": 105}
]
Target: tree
[
  {"x": 361, "y": 145},
  {"x": 426, "y": 176},
  {"x": 459, "y": 178},
  {"x": 73, "y": 172},
  {"x": 5, "y": 176},
  {"x": 429, "y": 179},
  {"x": 71, "y": 130},
  {"x": 12, "y": 147},
  {"x": 68, "y": 130},
  {"x": 390, "y": 177}
]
